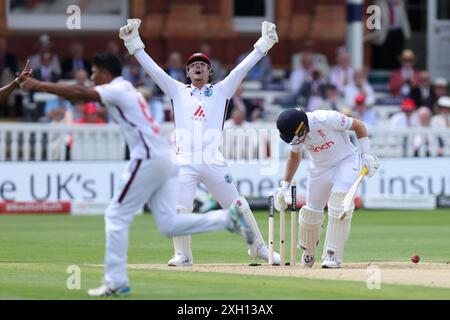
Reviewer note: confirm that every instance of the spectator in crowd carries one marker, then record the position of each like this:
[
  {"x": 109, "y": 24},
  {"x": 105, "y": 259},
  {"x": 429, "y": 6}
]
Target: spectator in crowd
[
  {"x": 260, "y": 72},
  {"x": 81, "y": 78},
  {"x": 90, "y": 115},
  {"x": 301, "y": 74},
  {"x": 133, "y": 72},
  {"x": 342, "y": 74},
  {"x": 359, "y": 85},
  {"x": 424, "y": 141},
  {"x": 442, "y": 117},
  {"x": 113, "y": 47},
  {"x": 318, "y": 59},
  {"x": 8, "y": 63},
  {"x": 440, "y": 89},
  {"x": 389, "y": 40},
  {"x": 363, "y": 112},
  {"x": 218, "y": 72},
  {"x": 8, "y": 69},
  {"x": 423, "y": 94},
  {"x": 155, "y": 105},
  {"x": 175, "y": 67},
  {"x": 441, "y": 120},
  {"x": 406, "y": 118},
  {"x": 403, "y": 80},
  {"x": 75, "y": 62},
  {"x": 45, "y": 47},
  {"x": 56, "y": 110},
  {"x": 45, "y": 72},
  {"x": 251, "y": 110},
  {"x": 333, "y": 100},
  {"x": 312, "y": 91}
]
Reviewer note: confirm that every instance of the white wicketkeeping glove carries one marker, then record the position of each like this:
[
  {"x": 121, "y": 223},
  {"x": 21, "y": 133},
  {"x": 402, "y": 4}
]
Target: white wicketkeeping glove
[
  {"x": 130, "y": 36},
  {"x": 268, "y": 37},
  {"x": 282, "y": 196},
  {"x": 371, "y": 162}
]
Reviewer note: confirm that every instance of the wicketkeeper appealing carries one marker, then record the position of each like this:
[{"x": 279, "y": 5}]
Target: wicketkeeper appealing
[
  {"x": 200, "y": 109},
  {"x": 335, "y": 164}
]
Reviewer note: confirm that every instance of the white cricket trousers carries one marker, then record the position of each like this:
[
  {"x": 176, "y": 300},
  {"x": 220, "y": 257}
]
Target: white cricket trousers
[
  {"x": 155, "y": 182},
  {"x": 322, "y": 181}
]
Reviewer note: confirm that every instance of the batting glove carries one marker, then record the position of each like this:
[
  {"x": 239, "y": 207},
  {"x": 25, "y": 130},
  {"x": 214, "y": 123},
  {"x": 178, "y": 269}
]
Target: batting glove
[
  {"x": 371, "y": 162},
  {"x": 268, "y": 37},
  {"x": 130, "y": 36},
  {"x": 282, "y": 196}
]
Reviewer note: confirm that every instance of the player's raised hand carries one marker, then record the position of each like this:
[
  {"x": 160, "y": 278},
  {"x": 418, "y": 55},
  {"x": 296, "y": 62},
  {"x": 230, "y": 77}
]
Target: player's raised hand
[
  {"x": 268, "y": 37},
  {"x": 130, "y": 36},
  {"x": 24, "y": 75}
]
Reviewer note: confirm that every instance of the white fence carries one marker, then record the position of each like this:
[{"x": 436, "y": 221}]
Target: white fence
[{"x": 43, "y": 142}]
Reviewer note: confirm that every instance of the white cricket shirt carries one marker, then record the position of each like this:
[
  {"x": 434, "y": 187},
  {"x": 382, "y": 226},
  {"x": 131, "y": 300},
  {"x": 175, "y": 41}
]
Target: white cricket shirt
[
  {"x": 327, "y": 141},
  {"x": 129, "y": 109},
  {"x": 199, "y": 113}
]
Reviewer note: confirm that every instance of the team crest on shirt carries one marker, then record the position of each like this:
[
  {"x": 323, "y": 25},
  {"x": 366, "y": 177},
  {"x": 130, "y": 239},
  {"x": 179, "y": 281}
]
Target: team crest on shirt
[
  {"x": 208, "y": 92},
  {"x": 321, "y": 133},
  {"x": 228, "y": 178}
]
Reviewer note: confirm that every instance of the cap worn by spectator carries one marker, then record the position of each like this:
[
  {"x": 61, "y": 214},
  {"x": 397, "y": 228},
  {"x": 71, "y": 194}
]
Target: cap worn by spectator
[
  {"x": 408, "y": 105},
  {"x": 444, "y": 102},
  {"x": 441, "y": 82},
  {"x": 360, "y": 99}
]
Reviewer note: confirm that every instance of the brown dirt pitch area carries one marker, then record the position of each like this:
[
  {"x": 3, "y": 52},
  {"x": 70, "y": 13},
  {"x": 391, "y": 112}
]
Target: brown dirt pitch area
[{"x": 403, "y": 273}]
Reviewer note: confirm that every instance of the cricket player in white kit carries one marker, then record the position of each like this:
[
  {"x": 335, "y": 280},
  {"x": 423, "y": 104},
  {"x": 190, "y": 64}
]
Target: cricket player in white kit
[
  {"x": 334, "y": 166},
  {"x": 151, "y": 176},
  {"x": 200, "y": 109}
]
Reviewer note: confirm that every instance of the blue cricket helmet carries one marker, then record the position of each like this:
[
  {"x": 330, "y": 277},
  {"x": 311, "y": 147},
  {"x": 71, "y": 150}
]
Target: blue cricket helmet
[{"x": 292, "y": 123}]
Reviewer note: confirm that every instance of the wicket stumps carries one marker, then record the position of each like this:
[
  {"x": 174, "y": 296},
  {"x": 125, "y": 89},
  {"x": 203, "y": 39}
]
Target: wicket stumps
[{"x": 294, "y": 229}]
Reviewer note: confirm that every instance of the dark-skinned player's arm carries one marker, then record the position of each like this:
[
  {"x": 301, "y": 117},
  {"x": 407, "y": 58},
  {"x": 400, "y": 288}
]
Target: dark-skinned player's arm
[
  {"x": 71, "y": 92},
  {"x": 16, "y": 83}
]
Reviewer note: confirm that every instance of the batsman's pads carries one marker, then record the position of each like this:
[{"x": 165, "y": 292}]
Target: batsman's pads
[
  {"x": 182, "y": 244},
  {"x": 371, "y": 162},
  {"x": 268, "y": 37},
  {"x": 282, "y": 196},
  {"x": 310, "y": 222},
  {"x": 130, "y": 36},
  {"x": 337, "y": 230}
]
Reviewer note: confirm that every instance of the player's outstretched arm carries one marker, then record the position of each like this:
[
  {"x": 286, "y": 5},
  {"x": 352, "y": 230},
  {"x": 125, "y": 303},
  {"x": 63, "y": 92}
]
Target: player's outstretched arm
[
  {"x": 370, "y": 161},
  {"x": 73, "y": 92},
  {"x": 268, "y": 38},
  {"x": 132, "y": 41},
  {"x": 17, "y": 83}
]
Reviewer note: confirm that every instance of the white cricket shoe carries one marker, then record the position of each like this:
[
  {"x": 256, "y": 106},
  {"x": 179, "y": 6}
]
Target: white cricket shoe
[
  {"x": 331, "y": 262},
  {"x": 307, "y": 260},
  {"x": 238, "y": 224},
  {"x": 179, "y": 260},
  {"x": 262, "y": 252},
  {"x": 106, "y": 291}
]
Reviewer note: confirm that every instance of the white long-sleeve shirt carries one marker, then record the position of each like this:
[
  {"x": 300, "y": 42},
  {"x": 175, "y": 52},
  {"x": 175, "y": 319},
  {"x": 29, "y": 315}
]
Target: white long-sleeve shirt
[
  {"x": 129, "y": 109},
  {"x": 327, "y": 142},
  {"x": 199, "y": 113}
]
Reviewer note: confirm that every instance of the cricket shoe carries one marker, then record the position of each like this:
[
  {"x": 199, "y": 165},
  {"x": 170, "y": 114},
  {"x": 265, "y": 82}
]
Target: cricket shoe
[
  {"x": 238, "y": 224},
  {"x": 331, "y": 262},
  {"x": 307, "y": 260},
  {"x": 262, "y": 252},
  {"x": 106, "y": 291},
  {"x": 179, "y": 260}
]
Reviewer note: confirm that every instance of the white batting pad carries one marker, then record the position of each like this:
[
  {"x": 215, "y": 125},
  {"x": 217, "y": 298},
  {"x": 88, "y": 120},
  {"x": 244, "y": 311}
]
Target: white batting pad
[
  {"x": 338, "y": 231},
  {"x": 259, "y": 240},
  {"x": 182, "y": 244},
  {"x": 310, "y": 225}
]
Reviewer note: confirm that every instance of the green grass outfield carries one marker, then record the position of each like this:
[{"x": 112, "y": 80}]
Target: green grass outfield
[{"x": 35, "y": 252}]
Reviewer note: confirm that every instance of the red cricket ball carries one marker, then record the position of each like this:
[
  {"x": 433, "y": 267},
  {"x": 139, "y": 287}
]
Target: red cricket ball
[{"x": 415, "y": 258}]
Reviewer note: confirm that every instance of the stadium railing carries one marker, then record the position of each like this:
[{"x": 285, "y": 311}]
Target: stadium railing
[{"x": 47, "y": 142}]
